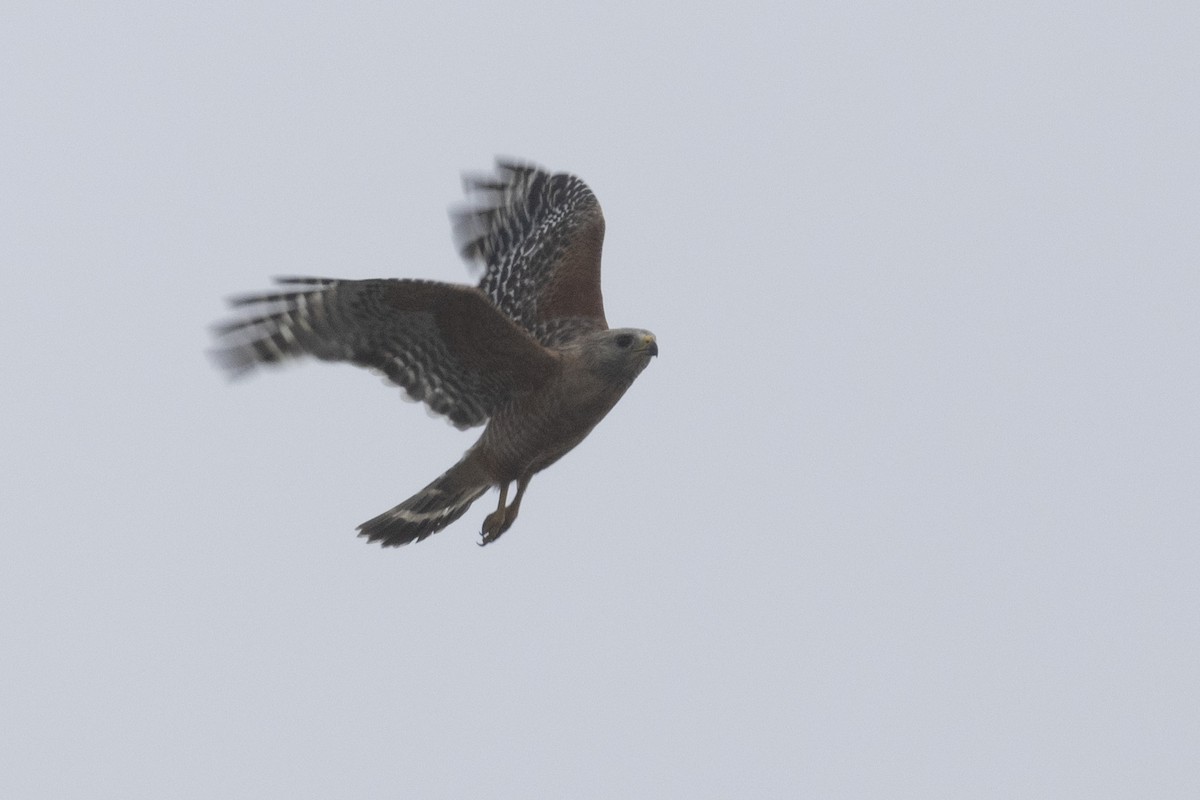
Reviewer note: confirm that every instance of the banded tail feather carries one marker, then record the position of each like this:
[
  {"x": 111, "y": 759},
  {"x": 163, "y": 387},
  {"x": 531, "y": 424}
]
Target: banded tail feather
[{"x": 431, "y": 509}]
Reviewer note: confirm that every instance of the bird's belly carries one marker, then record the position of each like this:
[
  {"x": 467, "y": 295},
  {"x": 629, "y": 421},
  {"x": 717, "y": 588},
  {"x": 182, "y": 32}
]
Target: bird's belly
[{"x": 523, "y": 440}]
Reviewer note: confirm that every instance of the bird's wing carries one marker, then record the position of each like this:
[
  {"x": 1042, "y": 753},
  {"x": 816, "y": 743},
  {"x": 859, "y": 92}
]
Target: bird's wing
[
  {"x": 446, "y": 345},
  {"x": 539, "y": 238}
]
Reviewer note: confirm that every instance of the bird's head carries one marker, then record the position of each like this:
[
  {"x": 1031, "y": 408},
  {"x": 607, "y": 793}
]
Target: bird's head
[{"x": 621, "y": 353}]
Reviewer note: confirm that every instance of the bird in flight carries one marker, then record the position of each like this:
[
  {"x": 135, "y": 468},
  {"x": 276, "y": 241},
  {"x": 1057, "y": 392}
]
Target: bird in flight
[{"x": 528, "y": 351}]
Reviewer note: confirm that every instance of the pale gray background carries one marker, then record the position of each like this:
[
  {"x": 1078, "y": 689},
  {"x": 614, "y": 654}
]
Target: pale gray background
[{"x": 906, "y": 508}]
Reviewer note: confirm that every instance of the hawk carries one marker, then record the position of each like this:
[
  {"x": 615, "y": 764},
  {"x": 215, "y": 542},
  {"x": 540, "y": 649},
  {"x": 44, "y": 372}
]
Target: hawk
[{"x": 528, "y": 351}]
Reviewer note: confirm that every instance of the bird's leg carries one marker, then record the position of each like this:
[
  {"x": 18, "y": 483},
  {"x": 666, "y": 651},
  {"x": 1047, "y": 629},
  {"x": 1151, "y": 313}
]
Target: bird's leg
[
  {"x": 510, "y": 515},
  {"x": 493, "y": 523}
]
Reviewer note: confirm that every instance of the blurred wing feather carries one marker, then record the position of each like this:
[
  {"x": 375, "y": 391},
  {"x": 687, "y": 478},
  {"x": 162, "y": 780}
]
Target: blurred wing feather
[
  {"x": 539, "y": 238},
  {"x": 446, "y": 345}
]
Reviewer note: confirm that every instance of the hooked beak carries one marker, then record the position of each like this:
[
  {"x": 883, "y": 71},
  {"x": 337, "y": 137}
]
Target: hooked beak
[{"x": 650, "y": 344}]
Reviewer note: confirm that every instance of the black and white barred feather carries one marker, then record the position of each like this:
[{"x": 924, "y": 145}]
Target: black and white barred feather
[
  {"x": 358, "y": 322},
  {"x": 525, "y": 226},
  {"x": 431, "y": 509}
]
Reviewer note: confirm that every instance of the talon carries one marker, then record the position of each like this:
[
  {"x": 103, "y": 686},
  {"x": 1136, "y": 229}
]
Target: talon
[{"x": 493, "y": 525}]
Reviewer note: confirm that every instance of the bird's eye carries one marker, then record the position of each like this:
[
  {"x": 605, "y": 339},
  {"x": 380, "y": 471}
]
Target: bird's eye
[{"x": 624, "y": 340}]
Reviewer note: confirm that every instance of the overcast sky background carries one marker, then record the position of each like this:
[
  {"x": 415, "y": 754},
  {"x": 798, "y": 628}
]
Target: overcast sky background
[{"x": 907, "y": 507}]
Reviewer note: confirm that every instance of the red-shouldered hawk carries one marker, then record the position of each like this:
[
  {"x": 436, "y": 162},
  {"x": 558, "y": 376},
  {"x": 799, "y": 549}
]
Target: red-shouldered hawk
[{"x": 529, "y": 351}]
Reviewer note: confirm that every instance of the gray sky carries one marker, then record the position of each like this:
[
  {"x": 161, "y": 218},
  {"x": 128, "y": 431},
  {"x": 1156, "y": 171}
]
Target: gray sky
[{"x": 906, "y": 508}]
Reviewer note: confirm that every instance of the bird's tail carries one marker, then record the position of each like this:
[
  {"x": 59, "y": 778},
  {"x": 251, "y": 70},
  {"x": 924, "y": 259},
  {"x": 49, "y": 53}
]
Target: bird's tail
[{"x": 432, "y": 508}]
